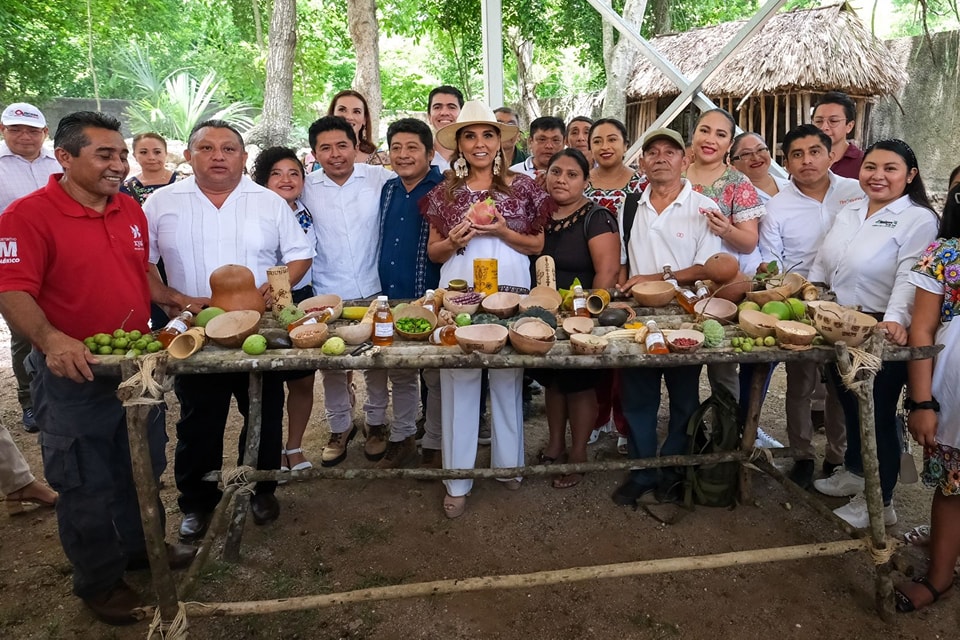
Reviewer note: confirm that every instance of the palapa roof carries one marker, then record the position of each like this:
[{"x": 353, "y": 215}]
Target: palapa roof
[{"x": 822, "y": 49}]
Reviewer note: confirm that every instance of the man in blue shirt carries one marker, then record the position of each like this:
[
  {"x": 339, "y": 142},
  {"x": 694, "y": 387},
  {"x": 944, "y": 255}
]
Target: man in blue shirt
[{"x": 407, "y": 272}]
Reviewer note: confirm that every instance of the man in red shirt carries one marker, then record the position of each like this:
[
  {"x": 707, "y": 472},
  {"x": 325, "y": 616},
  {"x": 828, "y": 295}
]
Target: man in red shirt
[
  {"x": 73, "y": 262},
  {"x": 836, "y": 115}
]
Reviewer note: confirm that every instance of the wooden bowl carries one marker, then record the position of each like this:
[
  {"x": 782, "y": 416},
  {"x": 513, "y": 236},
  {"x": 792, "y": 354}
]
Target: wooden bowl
[
  {"x": 482, "y": 338},
  {"x": 657, "y": 293},
  {"x": 455, "y": 308},
  {"x": 413, "y": 311},
  {"x": 716, "y": 308},
  {"x": 547, "y": 292},
  {"x": 502, "y": 304},
  {"x": 689, "y": 334},
  {"x": 577, "y": 324},
  {"x": 757, "y": 324},
  {"x": 837, "y": 323},
  {"x": 789, "y": 286},
  {"x": 532, "y": 336},
  {"x": 356, "y": 333},
  {"x": 318, "y": 302},
  {"x": 544, "y": 302},
  {"x": 231, "y": 328},
  {"x": 797, "y": 334},
  {"x": 310, "y": 336},
  {"x": 584, "y": 344}
]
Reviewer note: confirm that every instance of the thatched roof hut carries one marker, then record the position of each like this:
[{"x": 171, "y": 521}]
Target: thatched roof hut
[{"x": 772, "y": 80}]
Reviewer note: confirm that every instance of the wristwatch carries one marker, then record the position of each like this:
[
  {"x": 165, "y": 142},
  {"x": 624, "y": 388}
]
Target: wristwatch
[{"x": 912, "y": 405}]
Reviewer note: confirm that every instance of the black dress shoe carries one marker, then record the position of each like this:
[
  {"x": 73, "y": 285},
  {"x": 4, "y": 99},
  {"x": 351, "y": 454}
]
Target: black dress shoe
[
  {"x": 116, "y": 606},
  {"x": 179, "y": 556},
  {"x": 194, "y": 525},
  {"x": 265, "y": 508},
  {"x": 627, "y": 494},
  {"x": 802, "y": 473}
]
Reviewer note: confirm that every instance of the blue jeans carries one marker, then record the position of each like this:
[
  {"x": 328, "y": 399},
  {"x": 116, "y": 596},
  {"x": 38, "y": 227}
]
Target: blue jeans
[
  {"x": 86, "y": 458},
  {"x": 641, "y": 401},
  {"x": 887, "y": 388}
]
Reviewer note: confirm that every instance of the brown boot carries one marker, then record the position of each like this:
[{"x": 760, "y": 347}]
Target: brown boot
[
  {"x": 116, "y": 606},
  {"x": 430, "y": 458},
  {"x": 398, "y": 454},
  {"x": 376, "y": 444}
]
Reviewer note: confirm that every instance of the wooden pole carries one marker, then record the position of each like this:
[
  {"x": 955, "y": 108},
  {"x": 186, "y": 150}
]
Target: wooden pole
[
  {"x": 231, "y": 548},
  {"x": 504, "y": 472},
  {"x": 148, "y": 495},
  {"x": 527, "y": 580},
  {"x": 763, "y": 117},
  {"x": 760, "y": 372},
  {"x": 871, "y": 471},
  {"x": 776, "y": 135}
]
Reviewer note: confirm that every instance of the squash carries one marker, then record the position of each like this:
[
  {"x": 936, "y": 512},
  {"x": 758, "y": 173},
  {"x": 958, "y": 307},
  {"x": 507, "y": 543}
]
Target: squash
[
  {"x": 721, "y": 267},
  {"x": 233, "y": 288}
]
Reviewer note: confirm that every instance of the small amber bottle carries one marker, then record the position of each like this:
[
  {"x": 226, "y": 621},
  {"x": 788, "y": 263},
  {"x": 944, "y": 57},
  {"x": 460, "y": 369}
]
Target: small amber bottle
[{"x": 382, "y": 323}]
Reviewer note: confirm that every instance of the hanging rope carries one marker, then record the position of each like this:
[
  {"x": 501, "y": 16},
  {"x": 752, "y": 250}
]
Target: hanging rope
[{"x": 142, "y": 387}]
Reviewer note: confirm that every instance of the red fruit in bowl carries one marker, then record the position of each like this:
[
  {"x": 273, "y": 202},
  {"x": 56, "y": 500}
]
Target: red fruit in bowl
[{"x": 483, "y": 212}]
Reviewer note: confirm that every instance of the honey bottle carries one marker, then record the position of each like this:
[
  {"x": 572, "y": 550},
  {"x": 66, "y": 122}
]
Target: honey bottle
[
  {"x": 175, "y": 327},
  {"x": 686, "y": 298},
  {"x": 580, "y": 302},
  {"x": 668, "y": 276},
  {"x": 444, "y": 336},
  {"x": 382, "y": 323},
  {"x": 655, "y": 342}
]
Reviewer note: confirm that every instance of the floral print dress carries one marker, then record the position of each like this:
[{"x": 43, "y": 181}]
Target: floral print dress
[{"x": 938, "y": 271}]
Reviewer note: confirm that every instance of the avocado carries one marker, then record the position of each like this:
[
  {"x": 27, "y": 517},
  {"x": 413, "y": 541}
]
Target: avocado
[
  {"x": 277, "y": 338},
  {"x": 612, "y": 317}
]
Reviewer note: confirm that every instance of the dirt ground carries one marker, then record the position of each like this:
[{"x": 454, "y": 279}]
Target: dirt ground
[{"x": 336, "y": 536}]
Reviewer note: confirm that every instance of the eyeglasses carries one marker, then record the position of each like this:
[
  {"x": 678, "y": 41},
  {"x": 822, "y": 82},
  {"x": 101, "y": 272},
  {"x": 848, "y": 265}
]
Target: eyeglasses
[
  {"x": 833, "y": 122},
  {"x": 555, "y": 141},
  {"x": 750, "y": 155}
]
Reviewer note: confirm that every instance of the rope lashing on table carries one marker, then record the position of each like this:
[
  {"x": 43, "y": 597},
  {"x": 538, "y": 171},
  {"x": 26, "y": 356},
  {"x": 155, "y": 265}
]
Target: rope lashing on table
[
  {"x": 757, "y": 454},
  {"x": 238, "y": 476},
  {"x": 176, "y": 630},
  {"x": 142, "y": 388},
  {"x": 860, "y": 361}
]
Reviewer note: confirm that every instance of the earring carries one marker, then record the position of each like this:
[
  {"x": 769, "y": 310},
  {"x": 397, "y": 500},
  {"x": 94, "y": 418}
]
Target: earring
[
  {"x": 497, "y": 163},
  {"x": 460, "y": 167}
]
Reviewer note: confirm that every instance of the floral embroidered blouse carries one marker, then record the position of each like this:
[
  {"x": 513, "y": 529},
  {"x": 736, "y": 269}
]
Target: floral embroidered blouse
[{"x": 612, "y": 199}]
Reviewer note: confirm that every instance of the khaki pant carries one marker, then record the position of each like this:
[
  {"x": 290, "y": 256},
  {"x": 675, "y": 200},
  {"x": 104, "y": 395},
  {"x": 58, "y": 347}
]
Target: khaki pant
[{"x": 14, "y": 470}]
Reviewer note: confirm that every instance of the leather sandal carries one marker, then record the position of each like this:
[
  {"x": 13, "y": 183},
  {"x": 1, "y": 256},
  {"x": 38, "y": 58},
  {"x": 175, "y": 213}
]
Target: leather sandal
[
  {"x": 454, "y": 506},
  {"x": 906, "y": 605},
  {"x": 19, "y": 500}
]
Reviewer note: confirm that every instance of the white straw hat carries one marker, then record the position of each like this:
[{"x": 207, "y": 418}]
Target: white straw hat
[{"x": 473, "y": 112}]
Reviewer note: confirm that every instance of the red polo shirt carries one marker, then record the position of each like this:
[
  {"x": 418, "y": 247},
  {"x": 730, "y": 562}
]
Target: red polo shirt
[
  {"x": 87, "y": 270},
  {"x": 848, "y": 166}
]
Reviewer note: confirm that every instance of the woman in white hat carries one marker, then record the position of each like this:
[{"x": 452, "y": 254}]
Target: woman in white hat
[{"x": 477, "y": 173}]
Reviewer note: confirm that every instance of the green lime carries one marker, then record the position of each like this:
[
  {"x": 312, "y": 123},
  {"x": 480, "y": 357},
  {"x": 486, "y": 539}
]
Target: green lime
[
  {"x": 738, "y": 350},
  {"x": 119, "y": 352},
  {"x": 154, "y": 346},
  {"x": 758, "y": 342},
  {"x": 769, "y": 341},
  {"x": 141, "y": 344},
  {"x": 135, "y": 335},
  {"x": 119, "y": 333},
  {"x": 120, "y": 343},
  {"x": 255, "y": 345},
  {"x": 747, "y": 346},
  {"x": 104, "y": 350},
  {"x": 463, "y": 320},
  {"x": 103, "y": 339}
]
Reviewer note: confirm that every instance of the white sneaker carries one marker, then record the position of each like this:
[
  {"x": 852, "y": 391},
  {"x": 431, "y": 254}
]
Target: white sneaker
[
  {"x": 855, "y": 513},
  {"x": 841, "y": 483},
  {"x": 594, "y": 436}
]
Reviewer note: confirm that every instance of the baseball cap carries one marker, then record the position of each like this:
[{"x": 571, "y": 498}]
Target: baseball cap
[
  {"x": 662, "y": 134},
  {"x": 23, "y": 113}
]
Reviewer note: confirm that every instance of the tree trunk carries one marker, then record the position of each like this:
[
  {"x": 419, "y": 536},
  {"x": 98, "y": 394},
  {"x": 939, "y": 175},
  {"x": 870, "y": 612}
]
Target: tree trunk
[
  {"x": 522, "y": 49},
  {"x": 277, "y": 118},
  {"x": 257, "y": 23},
  {"x": 619, "y": 61},
  {"x": 365, "y": 31},
  {"x": 662, "y": 22}
]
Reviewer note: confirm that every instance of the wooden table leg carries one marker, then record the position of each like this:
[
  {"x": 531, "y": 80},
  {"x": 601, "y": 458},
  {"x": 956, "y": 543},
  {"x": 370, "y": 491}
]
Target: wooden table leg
[
  {"x": 148, "y": 495},
  {"x": 760, "y": 372},
  {"x": 231, "y": 548},
  {"x": 883, "y": 582}
]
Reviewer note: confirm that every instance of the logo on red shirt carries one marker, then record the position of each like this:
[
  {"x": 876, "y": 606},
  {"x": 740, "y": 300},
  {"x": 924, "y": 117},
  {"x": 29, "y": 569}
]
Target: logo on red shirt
[
  {"x": 8, "y": 251},
  {"x": 137, "y": 242}
]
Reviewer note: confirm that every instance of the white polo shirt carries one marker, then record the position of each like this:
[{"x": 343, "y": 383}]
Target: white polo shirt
[
  {"x": 679, "y": 236},
  {"x": 254, "y": 228},
  {"x": 346, "y": 222},
  {"x": 526, "y": 168},
  {"x": 867, "y": 261},
  {"x": 19, "y": 176},
  {"x": 795, "y": 224}
]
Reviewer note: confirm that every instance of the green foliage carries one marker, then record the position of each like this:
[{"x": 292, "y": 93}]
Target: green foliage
[{"x": 914, "y": 17}]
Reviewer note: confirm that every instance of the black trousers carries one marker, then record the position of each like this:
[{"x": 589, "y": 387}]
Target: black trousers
[{"x": 204, "y": 405}]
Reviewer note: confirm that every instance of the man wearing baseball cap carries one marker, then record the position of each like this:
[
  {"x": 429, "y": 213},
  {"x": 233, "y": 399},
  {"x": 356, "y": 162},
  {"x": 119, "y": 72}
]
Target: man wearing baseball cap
[
  {"x": 25, "y": 167},
  {"x": 662, "y": 226}
]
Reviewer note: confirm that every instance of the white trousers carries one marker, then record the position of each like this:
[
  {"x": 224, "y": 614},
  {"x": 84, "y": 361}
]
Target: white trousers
[
  {"x": 460, "y": 421},
  {"x": 14, "y": 470}
]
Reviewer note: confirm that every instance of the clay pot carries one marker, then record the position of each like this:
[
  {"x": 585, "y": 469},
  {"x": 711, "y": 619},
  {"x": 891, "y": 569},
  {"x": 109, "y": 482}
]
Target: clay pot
[{"x": 233, "y": 288}]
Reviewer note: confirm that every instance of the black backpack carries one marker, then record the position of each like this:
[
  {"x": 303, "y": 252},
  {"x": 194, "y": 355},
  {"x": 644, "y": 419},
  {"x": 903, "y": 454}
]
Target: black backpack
[{"x": 714, "y": 428}]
